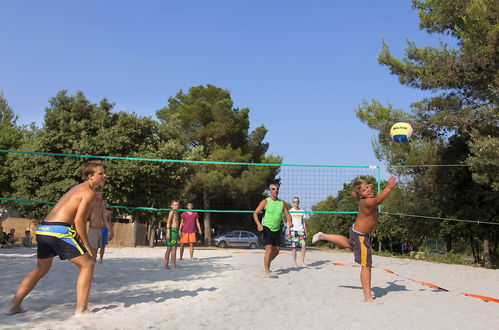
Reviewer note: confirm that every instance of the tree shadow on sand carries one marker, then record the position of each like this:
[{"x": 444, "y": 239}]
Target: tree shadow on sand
[{"x": 119, "y": 282}]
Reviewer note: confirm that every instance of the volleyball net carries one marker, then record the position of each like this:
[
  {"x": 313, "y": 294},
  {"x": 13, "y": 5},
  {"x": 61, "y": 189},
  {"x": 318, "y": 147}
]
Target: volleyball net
[{"x": 150, "y": 184}]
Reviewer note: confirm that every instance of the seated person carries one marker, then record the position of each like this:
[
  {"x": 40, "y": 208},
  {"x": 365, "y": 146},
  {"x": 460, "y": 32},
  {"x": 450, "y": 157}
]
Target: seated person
[
  {"x": 27, "y": 239},
  {"x": 3, "y": 237},
  {"x": 10, "y": 238}
]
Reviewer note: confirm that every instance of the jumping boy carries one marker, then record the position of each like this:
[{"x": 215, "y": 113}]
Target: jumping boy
[
  {"x": 55, "y": 237},
  {"x": 359, "y": 234}
]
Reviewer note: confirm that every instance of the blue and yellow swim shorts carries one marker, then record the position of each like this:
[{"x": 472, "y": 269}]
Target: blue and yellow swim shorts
[{"x": 57, "y": 239}]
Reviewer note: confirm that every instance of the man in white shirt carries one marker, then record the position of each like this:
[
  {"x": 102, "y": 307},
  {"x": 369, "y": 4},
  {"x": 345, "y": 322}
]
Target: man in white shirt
[{"x": 298, "y": 233}]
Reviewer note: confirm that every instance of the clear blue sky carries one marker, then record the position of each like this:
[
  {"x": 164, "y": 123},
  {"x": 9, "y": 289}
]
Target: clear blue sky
[{"x": 302, "y": 67}]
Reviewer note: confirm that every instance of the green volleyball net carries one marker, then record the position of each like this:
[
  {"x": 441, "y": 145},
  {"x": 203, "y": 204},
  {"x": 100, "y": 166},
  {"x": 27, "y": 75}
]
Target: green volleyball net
[{"x": 150, "y": 184}]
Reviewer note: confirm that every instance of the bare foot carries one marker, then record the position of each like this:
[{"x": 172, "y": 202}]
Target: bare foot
[
  {"x": 271, "y": 275},
  {"x": 86, "y": 312},
  {"x": 167, "y": 267},
  {"x": 15, "y": 310},
  {"x": 369, "y": 300}
]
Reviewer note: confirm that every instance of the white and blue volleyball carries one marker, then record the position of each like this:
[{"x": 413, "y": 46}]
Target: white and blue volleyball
[{"x": 401, "y": 132}]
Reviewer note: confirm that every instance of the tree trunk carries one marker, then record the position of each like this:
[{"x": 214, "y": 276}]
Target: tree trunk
[
  {"x": 135, "y": 219},
  {"x": 476, "y": 253},
  {"x": 379, "y": 245},
  {"x": 207, "y": 222},
  {"x": 486, "y": 251},
  {"x": 150, "y": 235}
]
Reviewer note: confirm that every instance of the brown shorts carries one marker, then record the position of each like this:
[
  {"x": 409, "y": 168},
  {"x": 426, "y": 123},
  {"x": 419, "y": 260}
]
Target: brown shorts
[{"x": 361, "y": 245}]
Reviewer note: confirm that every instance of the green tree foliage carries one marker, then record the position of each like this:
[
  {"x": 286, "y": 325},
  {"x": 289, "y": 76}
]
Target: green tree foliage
[
  {"x": 11, "y": 136},
  {"x": 456, "y": 125},
  {"x": 213, "y": 130},
  {"x": 73, "y": 125}
]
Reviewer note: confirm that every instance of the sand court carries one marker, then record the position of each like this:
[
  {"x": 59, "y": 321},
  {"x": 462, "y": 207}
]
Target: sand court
[{"x": 225, "y": 289}]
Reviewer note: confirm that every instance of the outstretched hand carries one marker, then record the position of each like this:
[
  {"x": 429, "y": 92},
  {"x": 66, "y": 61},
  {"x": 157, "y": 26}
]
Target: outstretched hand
[{"x": 391, "y": 181}]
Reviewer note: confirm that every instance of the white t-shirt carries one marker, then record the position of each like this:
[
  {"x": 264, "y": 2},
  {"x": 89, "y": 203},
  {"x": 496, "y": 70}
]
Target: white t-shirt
[{"x": 297, "y": 220}]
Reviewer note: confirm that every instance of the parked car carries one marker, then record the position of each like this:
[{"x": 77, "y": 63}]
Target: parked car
[{"x": 237, "y": 238}]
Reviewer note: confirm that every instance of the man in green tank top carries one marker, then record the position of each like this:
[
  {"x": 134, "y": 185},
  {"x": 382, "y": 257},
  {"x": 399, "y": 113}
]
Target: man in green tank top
[{"x": 270, "y": 226}]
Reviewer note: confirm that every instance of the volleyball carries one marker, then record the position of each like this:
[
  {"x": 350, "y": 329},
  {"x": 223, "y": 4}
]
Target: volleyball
[{"x": 401, "y": 132}]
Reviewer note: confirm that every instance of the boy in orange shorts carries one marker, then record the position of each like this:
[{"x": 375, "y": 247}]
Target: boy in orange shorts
[{"x": 188, "y": 224}]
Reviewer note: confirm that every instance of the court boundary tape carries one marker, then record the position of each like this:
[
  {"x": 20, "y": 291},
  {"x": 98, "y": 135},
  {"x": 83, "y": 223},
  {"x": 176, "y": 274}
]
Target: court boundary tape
[{"x": 427, "y": 284}]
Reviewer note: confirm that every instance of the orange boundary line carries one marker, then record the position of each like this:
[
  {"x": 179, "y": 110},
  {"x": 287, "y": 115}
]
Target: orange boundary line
[{"x": 433, "y": 286}]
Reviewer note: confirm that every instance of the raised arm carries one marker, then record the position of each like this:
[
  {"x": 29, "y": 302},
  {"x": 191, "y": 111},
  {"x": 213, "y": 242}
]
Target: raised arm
[{"x": 371, "y": 202}]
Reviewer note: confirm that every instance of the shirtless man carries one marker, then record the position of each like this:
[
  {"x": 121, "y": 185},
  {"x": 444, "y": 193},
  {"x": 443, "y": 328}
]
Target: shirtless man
[
  {"x": 107, "y": 229},
  {"x": 55, "y": 237},
  {"x": 96, "y": 219}
]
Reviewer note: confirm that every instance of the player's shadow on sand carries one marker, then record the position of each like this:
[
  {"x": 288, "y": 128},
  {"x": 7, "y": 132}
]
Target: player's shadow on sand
[
  {"x": 290, "y": 269},
  {"x": 380, "y": 292},
  {"x": 318, "y": 263},
  {"x": 133, "y": 297}
]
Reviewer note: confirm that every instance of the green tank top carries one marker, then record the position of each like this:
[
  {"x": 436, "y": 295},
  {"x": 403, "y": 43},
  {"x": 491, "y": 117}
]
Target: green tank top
[{"x": 273, "y": 214}]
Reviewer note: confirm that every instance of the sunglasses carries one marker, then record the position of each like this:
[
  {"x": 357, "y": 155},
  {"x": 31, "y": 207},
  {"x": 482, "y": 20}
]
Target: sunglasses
[
  {"x": 274, "y": 188},
  {"x": 296, "y": 201}
]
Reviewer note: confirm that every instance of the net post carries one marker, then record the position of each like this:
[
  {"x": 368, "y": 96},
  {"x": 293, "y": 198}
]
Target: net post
[{"x": 379, "y": 184}]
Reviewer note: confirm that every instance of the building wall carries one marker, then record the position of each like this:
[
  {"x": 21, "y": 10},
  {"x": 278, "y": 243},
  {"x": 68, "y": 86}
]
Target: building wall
[{"x": 123, "y": 232}]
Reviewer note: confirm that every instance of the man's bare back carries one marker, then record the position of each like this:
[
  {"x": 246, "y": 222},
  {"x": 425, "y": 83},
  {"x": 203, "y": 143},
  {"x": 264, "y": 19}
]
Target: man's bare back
[{"x": 77, "y": 198}]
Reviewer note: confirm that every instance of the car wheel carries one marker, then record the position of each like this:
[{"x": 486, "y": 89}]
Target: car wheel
[
  {"x": 252, "y": 246},
  {"x": 222, "y": 244}
]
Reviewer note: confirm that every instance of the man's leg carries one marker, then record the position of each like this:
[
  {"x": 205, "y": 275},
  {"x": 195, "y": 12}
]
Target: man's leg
[
  {"x": 84, "y": 282},
  {"x": 28, "y": 283},
  {"x": 174, "y": 257},
  {"x": 167, "y": 256},
  {"x": 365, "y": 280},
  {"x": 102, "y": 249},
  {"x": 181, "y": 250},
  {"x": 266, "y": 259},
  {"x": 293, "y": 255},
  {"x": 303, "y": 251},
  {"x": 94, "y": 255},
  {"x": 336, "y": 239},
  {"x": 275, "y": 252},
  {"x": 191, "y": 250}
]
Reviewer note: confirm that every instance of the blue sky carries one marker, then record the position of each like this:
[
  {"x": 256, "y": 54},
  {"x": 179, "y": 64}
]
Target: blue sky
[{"x": 302, "y": 67}]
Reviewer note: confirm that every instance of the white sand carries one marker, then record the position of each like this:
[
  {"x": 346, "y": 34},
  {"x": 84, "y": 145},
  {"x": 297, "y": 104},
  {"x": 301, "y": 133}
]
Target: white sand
[{"x": 226, "y": 290}]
